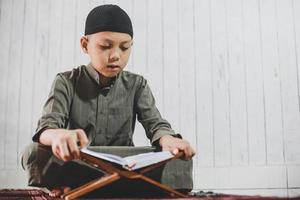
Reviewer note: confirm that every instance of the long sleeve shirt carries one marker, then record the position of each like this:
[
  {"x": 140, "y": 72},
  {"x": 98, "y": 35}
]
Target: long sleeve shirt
[{"x": 106, "y": 114}]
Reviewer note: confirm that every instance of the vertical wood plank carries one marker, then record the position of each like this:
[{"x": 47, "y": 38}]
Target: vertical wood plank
[
  {"x": 40, "y": 90},
  {"x": 205, "y": 143},
  {"x": 27, "y": 74},
  {"x": 5, "y": 24},
  {"x": 13, "y": 85},
  {"x": 170, "y": 63},
  {"x": 289, "y": 82},
  {"x": 237, "y": 87},
  {"x": 254, "y": 83},
  {"x": 296, "y": 24},
  {"x": 68, "y": 35},
  {"x": 220, "y": 84},
  {"x": 272, "y": 83},
  {"x": 293, "y": 176},
  {"x": 155, "y": 60},
  {"x": 12, "y": 178},
  {"x": 242, "y": 177},
  {"x": 296, "y": 21},
  {"x": 139, "y": 55},
  {"x": 140, "y": 41},
  {"x": 95, "y": 3},
  {"x": 293, "y": 192},
  {"x": 187, "y": 71},
  {"x": 55, "y": 40}
]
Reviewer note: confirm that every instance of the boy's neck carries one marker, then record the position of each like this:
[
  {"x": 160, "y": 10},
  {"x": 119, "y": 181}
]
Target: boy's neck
[{"x": 105, "y": 81}]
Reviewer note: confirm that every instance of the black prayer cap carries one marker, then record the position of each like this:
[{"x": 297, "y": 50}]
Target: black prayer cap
[{"x": 108, "y": 18}]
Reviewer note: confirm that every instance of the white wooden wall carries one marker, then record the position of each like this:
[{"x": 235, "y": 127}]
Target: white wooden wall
[{"x": 225, "y": 73}]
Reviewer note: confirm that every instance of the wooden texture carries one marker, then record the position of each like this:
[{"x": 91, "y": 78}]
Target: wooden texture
[
  {"x": 254, "y": 83},
  {"x": 115, "y": 173},
  {"x": 225, "y": 73}
]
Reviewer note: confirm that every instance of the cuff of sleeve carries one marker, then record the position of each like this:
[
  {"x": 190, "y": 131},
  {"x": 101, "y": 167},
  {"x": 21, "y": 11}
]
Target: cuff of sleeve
[
  {"x": 159, "y": 133},
  {"x": 36, "y": 137}
]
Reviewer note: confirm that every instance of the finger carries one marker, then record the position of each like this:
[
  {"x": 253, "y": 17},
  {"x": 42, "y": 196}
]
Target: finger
[
  {"x": 55, "y": 151},
  {"x": 175, "y": 151},
  {"x": 186, "y": 154},
  {"x": 73, "y": 148},
  {"x": 64, "y": 190},
  {"x": 185, "y": 149},
  {"x": 64, "y": 152},
  {"x": 193, "y": 152},
  {"x": 81, "y": 136},
  {"x": 55, "y": 192},
  {"x": 190, "y": 153}
]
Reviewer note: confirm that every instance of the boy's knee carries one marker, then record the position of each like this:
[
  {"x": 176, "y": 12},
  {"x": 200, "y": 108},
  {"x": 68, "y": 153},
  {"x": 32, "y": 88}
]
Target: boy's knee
[
  {"x": 34, "y": 159},
  {"x": 178, "y": 174},
  {"x": 35, "y": 154},
  {"x": 29, "y": 155}
]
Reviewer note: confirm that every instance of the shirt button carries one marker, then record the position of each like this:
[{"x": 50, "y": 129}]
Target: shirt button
[{"x": 108, "y": 136}]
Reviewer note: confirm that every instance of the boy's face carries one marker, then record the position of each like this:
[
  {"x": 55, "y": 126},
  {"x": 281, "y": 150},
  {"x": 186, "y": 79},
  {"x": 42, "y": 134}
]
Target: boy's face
[{"x": 109, "y": 51}]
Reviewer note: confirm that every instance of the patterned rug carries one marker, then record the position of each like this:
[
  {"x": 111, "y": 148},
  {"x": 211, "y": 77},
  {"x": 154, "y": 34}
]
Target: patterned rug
[
  {"x": 24, "y": 194},
  {"x": 36, "y": 194}
]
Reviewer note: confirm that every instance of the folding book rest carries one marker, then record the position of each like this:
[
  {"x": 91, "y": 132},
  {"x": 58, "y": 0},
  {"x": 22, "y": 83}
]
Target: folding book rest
[{"x": 115, "y": 173}]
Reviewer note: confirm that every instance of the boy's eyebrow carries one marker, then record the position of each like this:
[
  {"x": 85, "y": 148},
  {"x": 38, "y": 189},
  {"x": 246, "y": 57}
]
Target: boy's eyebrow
[{"x": 111, "y": 41}]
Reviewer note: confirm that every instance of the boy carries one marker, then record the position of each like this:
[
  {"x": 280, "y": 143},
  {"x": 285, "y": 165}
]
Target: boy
[{"x": 97, "y": 104}]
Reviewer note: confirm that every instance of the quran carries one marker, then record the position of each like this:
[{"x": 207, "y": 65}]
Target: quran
[{"x": 131, "y": 162}]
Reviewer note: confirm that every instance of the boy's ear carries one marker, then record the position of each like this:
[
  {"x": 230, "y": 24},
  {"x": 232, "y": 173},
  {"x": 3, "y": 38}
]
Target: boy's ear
[{"x": 83, "y": 43}]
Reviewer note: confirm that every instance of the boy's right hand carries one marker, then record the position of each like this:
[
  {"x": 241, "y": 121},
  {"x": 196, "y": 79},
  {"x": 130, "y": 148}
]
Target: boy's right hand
[{"x": 64, "y": 142}]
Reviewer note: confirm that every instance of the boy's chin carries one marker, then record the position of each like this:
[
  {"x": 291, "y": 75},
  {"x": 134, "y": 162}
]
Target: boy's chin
[{"x": 111, "y": 75}]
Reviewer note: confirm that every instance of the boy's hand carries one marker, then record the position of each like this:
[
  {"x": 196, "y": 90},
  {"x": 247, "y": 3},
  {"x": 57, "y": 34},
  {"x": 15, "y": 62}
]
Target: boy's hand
[
  {"x": 64, "y": 142},
  {"x": 170, "y": 143}
]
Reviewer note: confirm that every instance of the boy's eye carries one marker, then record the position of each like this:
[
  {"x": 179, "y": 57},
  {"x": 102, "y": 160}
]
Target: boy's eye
[
  {"x": 104, "y": 47},
  {"x": 124, "y": 48}
]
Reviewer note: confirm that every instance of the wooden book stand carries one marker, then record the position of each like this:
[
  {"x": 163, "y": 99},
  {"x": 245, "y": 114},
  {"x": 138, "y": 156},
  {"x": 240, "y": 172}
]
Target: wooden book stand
[{"x": 114, "y": 173}]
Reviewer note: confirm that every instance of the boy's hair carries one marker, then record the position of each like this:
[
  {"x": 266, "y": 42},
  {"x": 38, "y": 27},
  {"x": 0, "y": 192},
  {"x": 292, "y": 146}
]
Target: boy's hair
[{"x": 108, "y": 18}]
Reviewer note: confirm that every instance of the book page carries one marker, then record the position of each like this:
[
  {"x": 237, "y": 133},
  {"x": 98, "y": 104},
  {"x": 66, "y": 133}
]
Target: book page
[
  {"x": 146, "y": 159},
  {"x": 109, "y": 157}
]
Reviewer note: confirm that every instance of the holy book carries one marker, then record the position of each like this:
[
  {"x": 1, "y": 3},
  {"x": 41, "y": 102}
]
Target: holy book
[{"x": 131, "y": 162}]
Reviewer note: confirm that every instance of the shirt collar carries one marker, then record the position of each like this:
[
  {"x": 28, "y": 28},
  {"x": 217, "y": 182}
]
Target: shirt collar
[{"x": 96, "y": 77}]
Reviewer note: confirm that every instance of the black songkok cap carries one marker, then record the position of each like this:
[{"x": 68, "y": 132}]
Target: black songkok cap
[{"x": 108, "y": 18}]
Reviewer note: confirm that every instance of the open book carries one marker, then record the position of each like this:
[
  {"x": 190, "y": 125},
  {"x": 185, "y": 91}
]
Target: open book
[{"x": 132, "y": 162}]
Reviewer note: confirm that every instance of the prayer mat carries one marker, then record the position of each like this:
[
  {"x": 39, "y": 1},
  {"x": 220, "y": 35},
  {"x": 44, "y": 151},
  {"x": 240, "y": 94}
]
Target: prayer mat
[
  {"x": 36, "y": 194},
  {"x": 23, "y": 194}
]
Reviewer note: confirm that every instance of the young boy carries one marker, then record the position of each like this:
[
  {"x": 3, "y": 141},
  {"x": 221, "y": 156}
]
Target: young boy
[{"x": 98, "y": 104}]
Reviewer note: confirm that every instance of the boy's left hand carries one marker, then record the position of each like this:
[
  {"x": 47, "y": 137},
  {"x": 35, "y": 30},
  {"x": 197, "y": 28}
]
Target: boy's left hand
[{"x": 170, "y": 143}]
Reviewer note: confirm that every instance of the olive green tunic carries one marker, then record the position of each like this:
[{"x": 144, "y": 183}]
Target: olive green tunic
[{"x": 106, "y": 114}]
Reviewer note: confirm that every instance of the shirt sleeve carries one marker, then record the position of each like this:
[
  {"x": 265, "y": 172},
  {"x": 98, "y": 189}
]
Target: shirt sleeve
[
  {"x": 56, "y": 109},
  {"x": 148, "y": 114}
]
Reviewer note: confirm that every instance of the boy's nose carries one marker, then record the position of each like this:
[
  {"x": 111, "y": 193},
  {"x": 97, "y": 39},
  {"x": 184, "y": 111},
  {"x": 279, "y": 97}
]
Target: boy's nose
[{"x": 115, "y": 55}]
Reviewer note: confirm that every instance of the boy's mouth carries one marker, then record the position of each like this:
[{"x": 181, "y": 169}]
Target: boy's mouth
[{"x": 113, "y": 66}]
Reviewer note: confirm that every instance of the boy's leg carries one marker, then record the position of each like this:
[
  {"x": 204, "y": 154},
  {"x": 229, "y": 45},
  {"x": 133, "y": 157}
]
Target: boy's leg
[
  {"x": 34, "y": 159},
  {"x": 178, "y": 174},
  {"x": 45, "y": 170}
]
